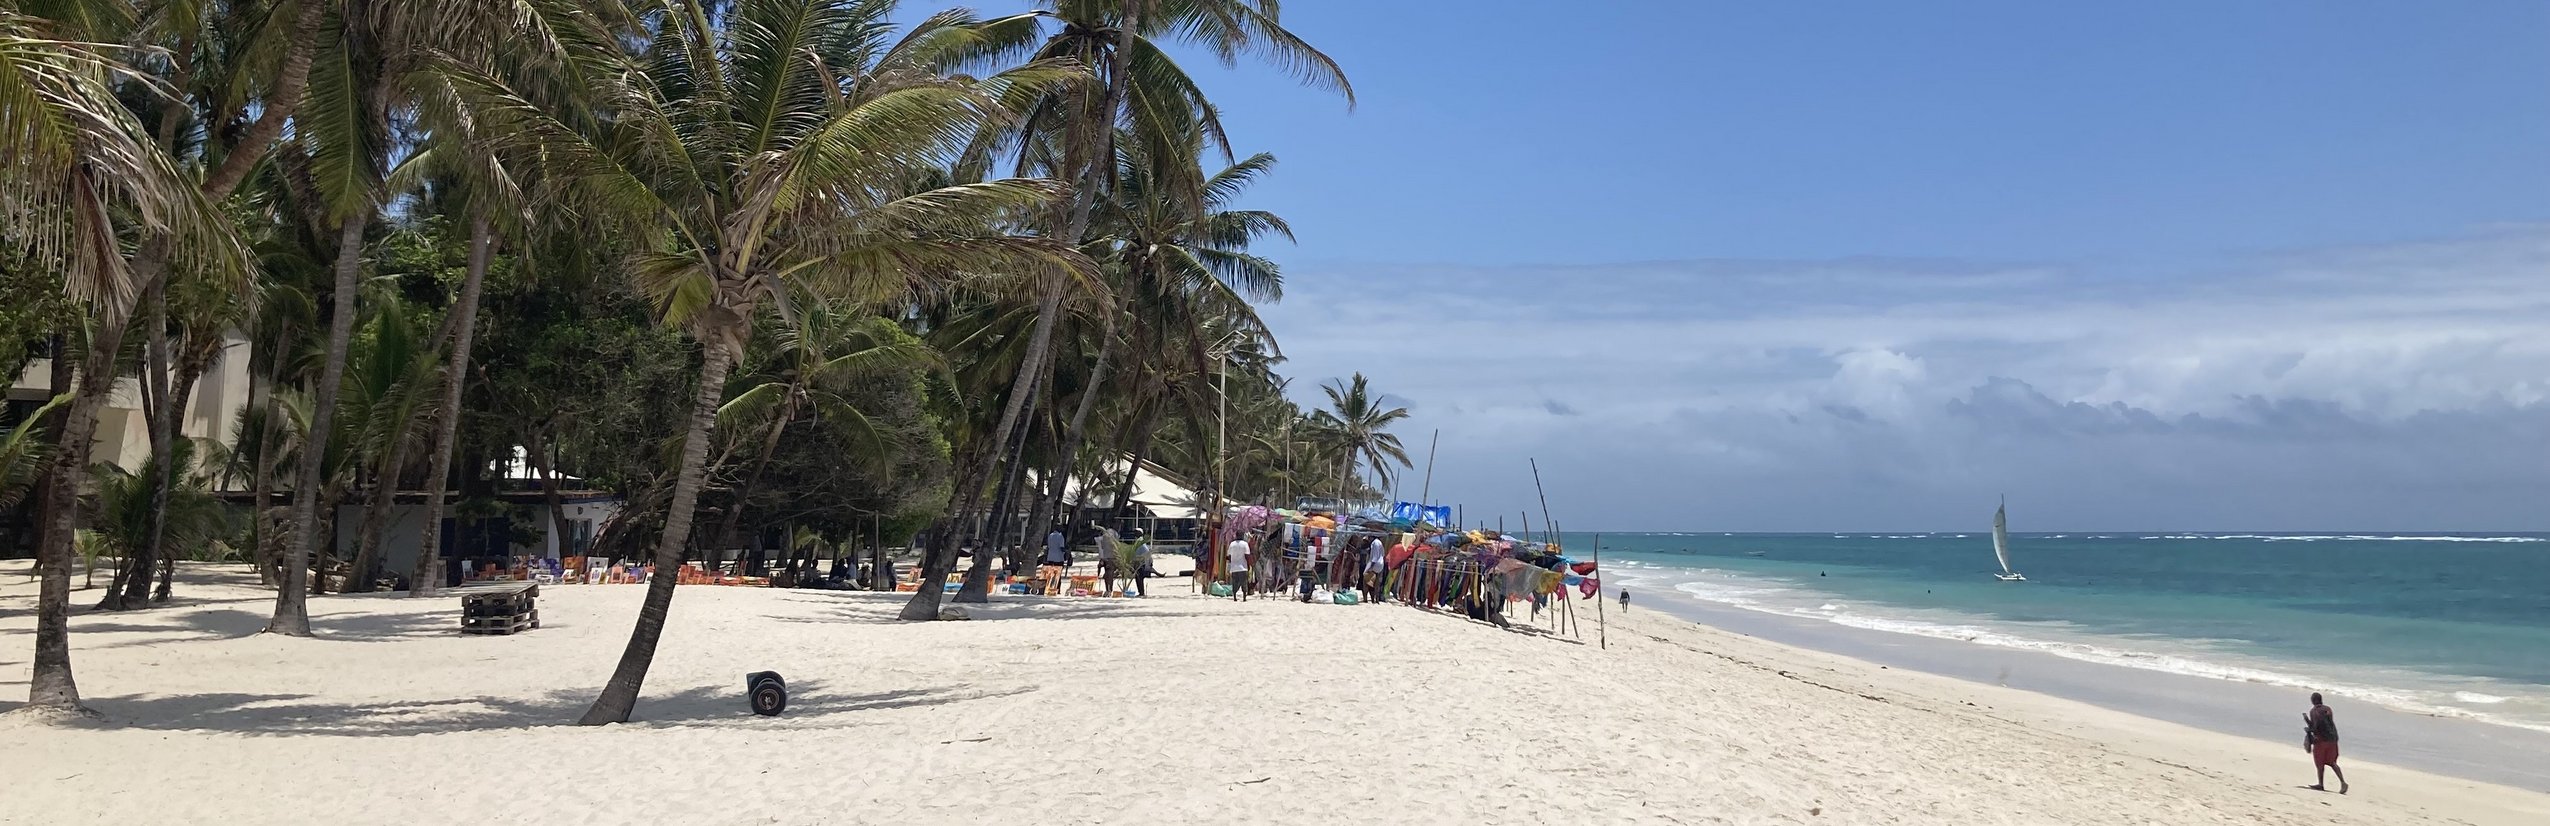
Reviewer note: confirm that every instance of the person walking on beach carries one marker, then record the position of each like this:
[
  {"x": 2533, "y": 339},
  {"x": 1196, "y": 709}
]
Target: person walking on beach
[
  {"x": 1624, "y": 600},
  {"x": 2320, "y": 738},
  {"x": 1235, "y": 564}
]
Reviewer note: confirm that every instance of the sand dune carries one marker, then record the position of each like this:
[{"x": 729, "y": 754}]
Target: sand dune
[{"x": 1172, "y": 709}]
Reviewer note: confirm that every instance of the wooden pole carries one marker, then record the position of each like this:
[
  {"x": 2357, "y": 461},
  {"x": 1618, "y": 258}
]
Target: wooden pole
[
  {"x": 1601, "y": 629},
  {"x": 1546, "y": 522},
  {"x": 1428, "y": 489}
]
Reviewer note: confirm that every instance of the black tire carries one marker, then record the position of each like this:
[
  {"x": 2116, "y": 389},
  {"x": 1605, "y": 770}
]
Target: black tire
[{"x": 769, "y": 697}]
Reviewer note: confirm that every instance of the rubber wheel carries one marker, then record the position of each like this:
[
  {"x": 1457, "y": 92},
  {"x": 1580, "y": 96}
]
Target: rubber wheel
[{"x": 769, "y": 698}]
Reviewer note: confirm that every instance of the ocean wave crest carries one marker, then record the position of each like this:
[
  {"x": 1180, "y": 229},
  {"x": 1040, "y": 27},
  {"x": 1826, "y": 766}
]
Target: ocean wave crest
[{"x": 1756, "y": 595}]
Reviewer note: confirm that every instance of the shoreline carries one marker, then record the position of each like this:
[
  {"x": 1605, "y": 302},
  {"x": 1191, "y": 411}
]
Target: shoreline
[
  {"x": 1170, "y": 709},
  {"x": 2471, "y": 749}
]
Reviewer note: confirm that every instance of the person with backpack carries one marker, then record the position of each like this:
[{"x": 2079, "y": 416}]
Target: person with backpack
[{"x": 2320, "y": 738}]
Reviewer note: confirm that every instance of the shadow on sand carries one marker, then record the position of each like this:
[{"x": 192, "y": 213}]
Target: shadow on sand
[
  {"x": 301, "y": 715},
  {"x": 856, "y": 607}
]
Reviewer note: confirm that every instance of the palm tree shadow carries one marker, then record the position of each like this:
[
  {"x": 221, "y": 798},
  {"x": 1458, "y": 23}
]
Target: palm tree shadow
[
  {"x": 876, "y": 609},
  {"x": 298, "y": 715}
]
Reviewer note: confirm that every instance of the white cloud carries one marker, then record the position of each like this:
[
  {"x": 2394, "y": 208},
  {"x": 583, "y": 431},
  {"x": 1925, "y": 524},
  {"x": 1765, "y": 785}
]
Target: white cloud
[{"x": 2398, "y": 385}]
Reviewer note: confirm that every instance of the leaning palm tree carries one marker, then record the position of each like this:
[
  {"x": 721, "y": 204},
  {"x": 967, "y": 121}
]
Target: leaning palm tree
[
  {"x": 1181, "y": 261},
  {"x": 1359, "y": 425},
  {"x": 1072, "y": 134},
  {"x": 554, "y": 43},
  {"x": 766, "y": 146},
  {"x": 78, "y": 173}
]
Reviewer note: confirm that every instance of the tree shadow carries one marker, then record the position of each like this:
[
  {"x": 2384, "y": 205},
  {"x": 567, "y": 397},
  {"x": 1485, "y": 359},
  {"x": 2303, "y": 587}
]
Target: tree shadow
[
  {"x": 870, "y": 612},
  {"x": 304, "y": 715}
]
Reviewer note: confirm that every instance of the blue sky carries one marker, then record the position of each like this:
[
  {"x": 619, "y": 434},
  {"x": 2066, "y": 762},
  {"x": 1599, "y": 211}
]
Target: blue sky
[{"x": 1871, "y": 265}]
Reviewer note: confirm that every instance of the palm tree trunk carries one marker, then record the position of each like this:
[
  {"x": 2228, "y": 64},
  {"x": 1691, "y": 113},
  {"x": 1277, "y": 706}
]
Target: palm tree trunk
[
  {"x": 269, "y": 430},
  {"x": 1021, "y": 389},
  {"x": 939, "y": 557},
  {"x": 278, "y": 107},
  {"x": 190, "y": 371},
  {"x": 744, "y": 486},
  {"x": 424, "y": 581},
  {"x": 131, "y": 586},
  {"x": 553, "y": 492},
  {"x": 994, "y": 542},
  {"x": 1068, "y": 462},
  {"x": 619, "y": 696},
  {"x": 52, "y": 685},
  {"x": 1137, "y": 448},
  {"x": 375, "y": 530},
  {"x": 292, "y": 604}
]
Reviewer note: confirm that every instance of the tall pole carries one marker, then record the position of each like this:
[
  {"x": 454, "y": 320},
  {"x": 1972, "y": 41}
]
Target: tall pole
[
  {"x": 1602, "y": 630},
  {"x": 1221, "y": 429},
  {"x": 1424, "y": 493},
  {"x": 1546, "y": 522}
]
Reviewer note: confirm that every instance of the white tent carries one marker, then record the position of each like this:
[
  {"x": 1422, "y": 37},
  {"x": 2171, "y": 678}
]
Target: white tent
[{"x": 1159, "y": 494}]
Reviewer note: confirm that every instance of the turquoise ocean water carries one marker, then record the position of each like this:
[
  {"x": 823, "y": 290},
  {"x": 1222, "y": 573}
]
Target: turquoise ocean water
[{"x": 2456, "y": 625}]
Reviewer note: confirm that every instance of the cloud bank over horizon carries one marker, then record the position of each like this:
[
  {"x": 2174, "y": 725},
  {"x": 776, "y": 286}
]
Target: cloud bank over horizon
[{"x": 2400, "y": 387}]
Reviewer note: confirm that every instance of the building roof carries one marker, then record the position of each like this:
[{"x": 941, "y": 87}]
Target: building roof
[{"x": 1155, "y": 489}]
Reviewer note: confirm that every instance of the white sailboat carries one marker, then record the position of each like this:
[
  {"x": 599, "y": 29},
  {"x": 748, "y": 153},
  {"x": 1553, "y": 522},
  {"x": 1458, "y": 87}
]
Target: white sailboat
[{"x": 2001, "y": 543}]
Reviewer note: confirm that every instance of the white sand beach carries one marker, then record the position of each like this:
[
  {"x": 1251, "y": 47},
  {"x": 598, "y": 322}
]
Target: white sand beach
[{"x": 1171, "y": 709}]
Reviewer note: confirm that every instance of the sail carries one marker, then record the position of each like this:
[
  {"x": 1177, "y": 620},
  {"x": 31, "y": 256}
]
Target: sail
[{"x": 2001, "y": 536}]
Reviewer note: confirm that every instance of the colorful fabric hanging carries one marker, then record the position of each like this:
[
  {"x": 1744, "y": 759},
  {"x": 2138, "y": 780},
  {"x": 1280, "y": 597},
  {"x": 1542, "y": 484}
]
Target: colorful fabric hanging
[
  {"x": 1590, "y": 586},
  {"x": 1583, "y": 567}
]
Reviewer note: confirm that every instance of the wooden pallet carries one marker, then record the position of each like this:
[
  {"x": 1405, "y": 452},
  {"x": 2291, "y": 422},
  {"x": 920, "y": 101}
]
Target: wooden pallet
[
  {"x": 508, "y": 624},
  {"x": 505, "y": 610}
]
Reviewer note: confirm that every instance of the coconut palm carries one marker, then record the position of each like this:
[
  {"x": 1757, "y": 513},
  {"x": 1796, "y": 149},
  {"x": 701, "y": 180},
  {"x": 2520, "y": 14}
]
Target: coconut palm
[
  {"x": 1359, "y": 426},
  {"x": 551, "y": 44},
  {"x": 1180, "y": 261},
  {"x": 393, "y": 377},
  {"x": 134, "y": 509},
  {"x": 1071, "y": 135},
  {"x": 769, "y": 146},
  {"x": 78, "y": 173},
  {"x": 820, "y": 359}
]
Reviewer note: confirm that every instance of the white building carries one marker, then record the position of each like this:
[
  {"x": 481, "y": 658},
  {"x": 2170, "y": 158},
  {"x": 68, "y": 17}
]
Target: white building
[{"x": 123, "y": 431}]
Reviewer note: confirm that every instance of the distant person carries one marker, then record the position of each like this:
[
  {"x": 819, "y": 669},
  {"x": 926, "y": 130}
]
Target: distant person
[
  {"x": 1107, "y": 572},
  {"x": 2320, "y": 738},
  {"x": 1376, "y": 562},
  {"x": 1142, "y": 571},
  {"x": 1057, "y": 551},
  {"x": 1055, "y": 567},
  {"x": 1624, "y": 600},
  {"x": 1235, "y": 563}
]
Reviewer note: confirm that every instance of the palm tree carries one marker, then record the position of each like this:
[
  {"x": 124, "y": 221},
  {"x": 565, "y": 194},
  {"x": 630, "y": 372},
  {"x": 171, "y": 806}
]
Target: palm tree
[
  {"x": 820, "y": 359},
  {"x": 1359, "y": 426},
  {"x": 77, "y": 173},
  {"x": 768, "y": 146},
  {"x": 393, "y": 375},
  {"x": 134, "y": 510},
  {"x": 551, "y": 42},
  {"x": 1072, "y": 137},
  {"x": 1182, "y": 262}
]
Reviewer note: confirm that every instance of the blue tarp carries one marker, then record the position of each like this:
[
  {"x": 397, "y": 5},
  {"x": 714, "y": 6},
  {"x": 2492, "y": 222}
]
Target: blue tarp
[{"x": 1413, "y": 512}]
